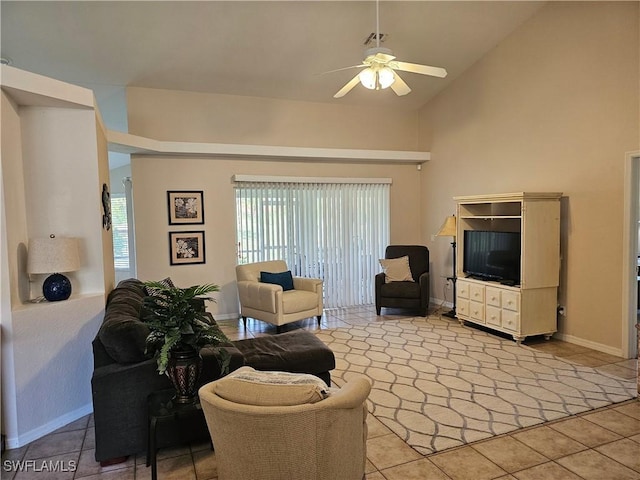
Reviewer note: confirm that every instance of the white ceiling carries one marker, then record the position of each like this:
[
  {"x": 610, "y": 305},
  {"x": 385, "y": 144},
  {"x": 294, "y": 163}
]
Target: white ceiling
[{"x": 276, "y": 49}]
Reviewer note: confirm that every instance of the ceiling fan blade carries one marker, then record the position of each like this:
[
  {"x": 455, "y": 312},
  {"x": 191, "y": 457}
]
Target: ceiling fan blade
[
  {"x": 399, "y": 86},
  {"x": 347, "y": 88},
  {"x": 345, "y": 68},
  {"x": 422, "y": 69}
]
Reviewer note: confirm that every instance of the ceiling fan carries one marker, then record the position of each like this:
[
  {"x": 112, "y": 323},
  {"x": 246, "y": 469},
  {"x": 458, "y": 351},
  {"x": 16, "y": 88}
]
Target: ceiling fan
[{"x": 381, "y": 66}]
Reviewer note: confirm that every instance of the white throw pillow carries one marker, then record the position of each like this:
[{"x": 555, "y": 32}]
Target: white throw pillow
[
  {"x": 253, "y": 387},
  {"x": 396, "y": 269}
]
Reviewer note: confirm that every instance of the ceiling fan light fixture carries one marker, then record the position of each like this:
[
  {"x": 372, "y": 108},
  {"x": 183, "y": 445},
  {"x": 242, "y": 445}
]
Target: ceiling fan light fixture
[
  {"x": 377, "y": 78},
  {"x": 381, "y": 66},
  {"x": 368, "y": 78},
  {"x": 386, "y": 77}
]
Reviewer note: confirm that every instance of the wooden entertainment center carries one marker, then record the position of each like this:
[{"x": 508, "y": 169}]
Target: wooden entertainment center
[{"x": 529, "y": 308}]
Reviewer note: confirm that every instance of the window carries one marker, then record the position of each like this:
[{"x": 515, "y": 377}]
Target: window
[
  {"x": 120, "y": 231},
  {"x": 334, "y": 229}
]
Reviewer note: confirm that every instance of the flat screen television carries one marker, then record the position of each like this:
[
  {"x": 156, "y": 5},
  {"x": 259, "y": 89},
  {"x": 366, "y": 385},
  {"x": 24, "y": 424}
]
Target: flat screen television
[{"x": 490, "y": 255}]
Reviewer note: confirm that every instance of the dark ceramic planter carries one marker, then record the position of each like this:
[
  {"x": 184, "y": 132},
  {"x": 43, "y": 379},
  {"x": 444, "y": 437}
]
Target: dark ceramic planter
[{"x": 183, "y": 369}]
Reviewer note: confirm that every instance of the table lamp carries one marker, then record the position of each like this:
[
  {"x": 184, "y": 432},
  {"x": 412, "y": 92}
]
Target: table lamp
[
  {"x": 448, "y": 229},
  {"x": 54, "y": 255}
]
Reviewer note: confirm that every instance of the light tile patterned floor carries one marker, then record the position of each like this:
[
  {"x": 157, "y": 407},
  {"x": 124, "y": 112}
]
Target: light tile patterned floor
[{"x": 602, "y": 444}]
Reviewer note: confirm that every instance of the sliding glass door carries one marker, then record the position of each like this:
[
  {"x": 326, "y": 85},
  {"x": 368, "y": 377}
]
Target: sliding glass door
[{"x": 334, "y": 229}]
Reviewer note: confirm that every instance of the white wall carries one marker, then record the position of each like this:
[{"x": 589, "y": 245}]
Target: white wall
[
  {"x": 53, "y": 364},
  {"x": 197, "y": 117},
  {"x": 14, "y": 196},
  {"x": 61, "y": 192}
]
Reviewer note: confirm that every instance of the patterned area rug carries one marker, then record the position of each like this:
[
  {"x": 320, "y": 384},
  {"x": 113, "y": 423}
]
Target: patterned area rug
[{"x": 438, "y": 385}]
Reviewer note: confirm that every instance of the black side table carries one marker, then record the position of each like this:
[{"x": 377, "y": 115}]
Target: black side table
[{"x": 184, "y": 423}]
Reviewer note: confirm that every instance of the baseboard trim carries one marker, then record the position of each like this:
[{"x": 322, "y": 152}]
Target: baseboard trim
[
  {"x": 23, "y": 439},
  {"x": 439, "y": 303},
  {"x": 589, "y": 344},
  {"x": 560, "y": 336}
]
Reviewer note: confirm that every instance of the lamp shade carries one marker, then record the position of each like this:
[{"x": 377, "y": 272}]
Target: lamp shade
[
  {"x": 448, "y": 228},
  {"x": 53, "y": 255}
]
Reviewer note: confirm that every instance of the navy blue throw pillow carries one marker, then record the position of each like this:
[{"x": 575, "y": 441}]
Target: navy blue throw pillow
[{"x": 284, "y": 279}]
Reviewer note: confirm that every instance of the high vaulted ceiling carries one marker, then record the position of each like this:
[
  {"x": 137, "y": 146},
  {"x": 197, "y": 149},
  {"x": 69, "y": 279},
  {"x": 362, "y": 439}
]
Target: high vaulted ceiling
[{"x": 276, "y": 49}]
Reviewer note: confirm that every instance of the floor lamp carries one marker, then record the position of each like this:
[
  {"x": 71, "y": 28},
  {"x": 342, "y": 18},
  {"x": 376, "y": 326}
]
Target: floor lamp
[{"x": 448, "y": 229}]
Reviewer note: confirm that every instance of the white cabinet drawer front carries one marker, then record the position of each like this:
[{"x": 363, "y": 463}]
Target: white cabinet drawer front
[
  {"x": 511, "y": 300},
  {"x": 476, "y": 292},
  {"x": 493, "y": 316},
  {"x": 511, "y": 320},
  {"x": 476, "y": 311},
  {"x": 492, "y": 296},
  {"x": 462, "y": 290},
  {"x": 462, "y": 307}
]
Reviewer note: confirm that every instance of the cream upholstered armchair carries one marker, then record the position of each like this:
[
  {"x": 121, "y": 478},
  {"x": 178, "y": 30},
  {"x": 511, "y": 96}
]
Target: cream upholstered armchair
[
  {"x": 279, "y": 429},
  {"x": 288, "y": 300}
]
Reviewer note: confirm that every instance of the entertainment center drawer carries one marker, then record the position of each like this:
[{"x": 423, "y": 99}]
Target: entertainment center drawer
[
  {"x": 493, "y": 316},
  {"x": 463, "y": 306},
  {"x": 476, "y": 311},
  {"x": 493, "y": 297},
  {"x": 511, "y": 300},
  {"x": 510, "y": 320},
  {"x": 463, "y": 289},
  {"x": 476, "y": 292}
]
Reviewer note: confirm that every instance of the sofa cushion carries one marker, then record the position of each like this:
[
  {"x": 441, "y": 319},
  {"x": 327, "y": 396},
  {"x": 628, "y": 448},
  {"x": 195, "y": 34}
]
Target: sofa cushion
[
  {"x": 284, "y": 279},
  {"x": 295, "y": 301},
  {"x": 122, "y": 333},
  {"x": 400, "y": 290},
  {"x": 252, "y": 387},
  {"x": 297, "y": 351}
]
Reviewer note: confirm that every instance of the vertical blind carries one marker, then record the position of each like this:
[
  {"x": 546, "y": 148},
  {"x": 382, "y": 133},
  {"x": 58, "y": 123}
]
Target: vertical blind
[{"x": 334, "y": 229}]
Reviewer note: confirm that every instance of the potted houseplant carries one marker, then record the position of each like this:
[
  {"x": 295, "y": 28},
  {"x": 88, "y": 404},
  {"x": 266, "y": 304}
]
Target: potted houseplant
[{"x": 178, "y": 328}]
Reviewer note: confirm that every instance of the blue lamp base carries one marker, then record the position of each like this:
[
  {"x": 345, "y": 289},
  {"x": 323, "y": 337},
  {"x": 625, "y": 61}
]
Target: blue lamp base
[{"x": 56, "y": 287}]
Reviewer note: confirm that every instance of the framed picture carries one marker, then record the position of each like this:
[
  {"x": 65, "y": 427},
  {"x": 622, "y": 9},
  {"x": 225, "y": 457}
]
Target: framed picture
[
  {"x": 185, "y": 207},
  {"x": 186, "y": 248}
]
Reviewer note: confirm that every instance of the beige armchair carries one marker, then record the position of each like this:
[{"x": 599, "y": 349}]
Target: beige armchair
[
  {"x": 273, "y": 432},
  {"x": 269, "y": 302}
]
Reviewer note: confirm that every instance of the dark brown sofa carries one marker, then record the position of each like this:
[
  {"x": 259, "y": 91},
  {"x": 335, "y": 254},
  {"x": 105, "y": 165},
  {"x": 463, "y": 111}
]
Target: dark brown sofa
[{"x": 124, "y": 376}]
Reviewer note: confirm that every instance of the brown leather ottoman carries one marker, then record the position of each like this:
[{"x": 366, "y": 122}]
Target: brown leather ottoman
[{"x": 298, "y": 351}]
